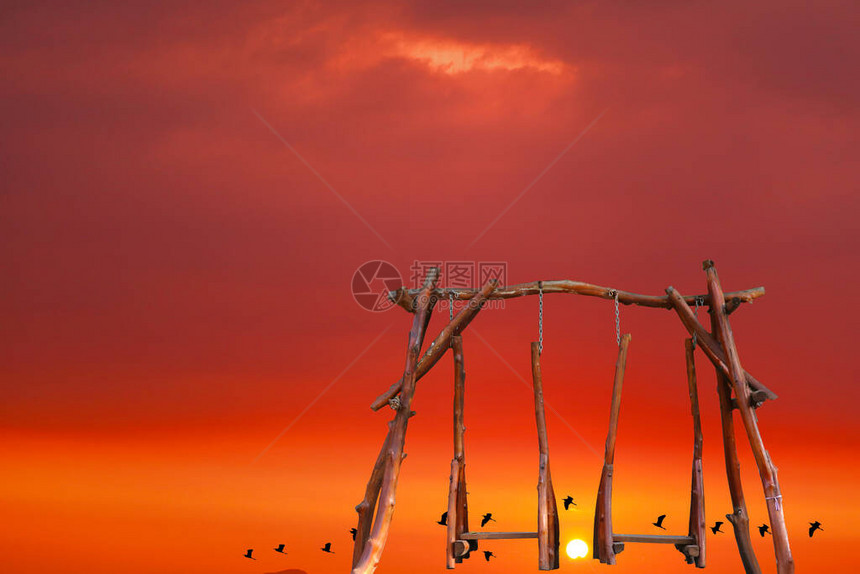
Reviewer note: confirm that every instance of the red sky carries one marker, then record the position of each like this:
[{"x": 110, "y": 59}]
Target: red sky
[{"x": 176, "y": 280}]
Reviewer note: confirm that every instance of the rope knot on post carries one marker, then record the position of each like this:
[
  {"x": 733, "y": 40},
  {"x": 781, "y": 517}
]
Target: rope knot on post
[{"x": 394, "y": 403}]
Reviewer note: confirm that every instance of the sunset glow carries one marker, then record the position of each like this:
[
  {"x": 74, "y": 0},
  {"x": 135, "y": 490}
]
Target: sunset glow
[
  {"x": 457, "y": 57},
  {"x": 188, "y": 191},
  {"x": 577, "y": 548}
]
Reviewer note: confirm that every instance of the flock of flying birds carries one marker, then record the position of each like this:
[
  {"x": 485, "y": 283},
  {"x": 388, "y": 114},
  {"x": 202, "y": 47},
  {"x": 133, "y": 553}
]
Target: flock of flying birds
[
  {"x": 567, "y": 501},
  {"x": 763, "y": 529}
]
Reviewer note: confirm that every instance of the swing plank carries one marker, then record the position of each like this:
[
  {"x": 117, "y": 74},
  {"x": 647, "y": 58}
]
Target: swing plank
[
  {"x": 697, "y": 487},
  {"x": 497, "y": 535},
  {"x": 654, "y": 538},
  {"x": 603, "y": 547},
  {"x": 547, "y": 532},
  {"x": 458, "y": 520}
]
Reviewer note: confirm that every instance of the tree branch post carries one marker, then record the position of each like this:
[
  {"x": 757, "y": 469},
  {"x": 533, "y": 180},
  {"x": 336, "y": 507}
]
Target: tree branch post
[
  {"x": 547, "y": 529},
  {"x": 739, "y": 518},
  {"x": 458, "y": 518},
  {"x": 697, "y": 489},
  {"x": 767, "y": 470},
  {"x": 396, "y": 440},
  {"x": 603, "y": 545}
]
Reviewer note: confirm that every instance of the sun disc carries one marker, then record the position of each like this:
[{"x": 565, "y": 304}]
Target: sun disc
[{"x": 577, "y": 549}]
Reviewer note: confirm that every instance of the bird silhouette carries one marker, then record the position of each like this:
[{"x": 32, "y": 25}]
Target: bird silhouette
[
  {"x": 659, "y": 523},
  {"x": 813, "y": 526},
  {"x": 486, "y": 518},
  {"x": 568, "y": 501},
  {"x": 280, "y": 548},
  {"x": 716, "y": 527},
  {"x": 488, "y": 555},
  {"x": 353, "y": 531},
  {"x": 327, "y": 548},
  {"x": 762, "y": 529},
  {"x": 248, "y": 554},
  {"x": 444, "y": 520}
]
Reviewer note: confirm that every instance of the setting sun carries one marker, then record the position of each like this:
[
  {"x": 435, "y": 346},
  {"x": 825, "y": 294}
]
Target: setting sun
[{"x": 577, "y": 549}]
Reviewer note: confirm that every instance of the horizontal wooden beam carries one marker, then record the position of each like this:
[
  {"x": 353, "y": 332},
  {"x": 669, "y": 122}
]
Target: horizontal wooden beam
[
  {"x": 405, "y": 297},
  {"x": 653, "y": 538},
  {"x": 497, "y": 535}
]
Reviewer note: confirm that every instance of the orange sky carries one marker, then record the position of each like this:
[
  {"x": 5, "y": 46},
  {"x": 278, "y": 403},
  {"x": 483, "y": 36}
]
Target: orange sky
[{"x": 176, "y": 279}]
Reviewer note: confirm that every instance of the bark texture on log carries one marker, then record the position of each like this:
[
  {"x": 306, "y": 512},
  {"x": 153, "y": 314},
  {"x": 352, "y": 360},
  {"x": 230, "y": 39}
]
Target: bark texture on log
[
  {"x": 405, "y": 297},
  {"x": 766, "y": 468},
  {"x": 547, "y": 528},
  {"x": 375, "y": 543},
  {"x": 603, "y": 548},
  {"x": 708, "y": 343},
  {"x": 697, "y": 488},
  {"x": 441, "y": 343},
  {"x": 739, "y": 518}
]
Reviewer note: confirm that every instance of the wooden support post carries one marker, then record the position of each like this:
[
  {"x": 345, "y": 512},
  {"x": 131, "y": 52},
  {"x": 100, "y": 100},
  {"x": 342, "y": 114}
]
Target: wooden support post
[
  {"x": 458, "y": 519},
  {"x": 441, "y": 343},
  {"x": 547, "y": 529},
  {"x": 766, "y": 468},
  {"x": 603, "y": 547},
  {"x": 697, "y": 489},
  {"x": 739, "y": 518},
  {"x": 393, "y": 452},
  {"x": 365, "y": 507}
]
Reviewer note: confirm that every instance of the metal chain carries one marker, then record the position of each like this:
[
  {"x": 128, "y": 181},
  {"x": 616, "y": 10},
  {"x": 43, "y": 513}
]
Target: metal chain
[
  {"x": 540, "y": 316},
  {"x": 451, "y": 307},
  {"x": 617, "y": 321}
]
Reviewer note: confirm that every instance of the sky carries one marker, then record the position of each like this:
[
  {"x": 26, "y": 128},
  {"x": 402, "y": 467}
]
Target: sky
[{"x": 188, "y": 188}]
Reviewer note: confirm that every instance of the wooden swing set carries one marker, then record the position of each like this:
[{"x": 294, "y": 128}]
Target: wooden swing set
[{"x": 718, "y": 346}]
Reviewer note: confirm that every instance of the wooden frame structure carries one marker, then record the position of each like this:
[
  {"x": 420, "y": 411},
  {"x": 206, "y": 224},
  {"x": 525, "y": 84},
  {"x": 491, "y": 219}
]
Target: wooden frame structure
[{"x": 377, "y": 508}]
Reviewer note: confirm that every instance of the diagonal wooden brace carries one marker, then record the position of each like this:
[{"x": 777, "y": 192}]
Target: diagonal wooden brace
[
  {"x": 441, "y": 343},
  {"x": 708, "y": 344}
]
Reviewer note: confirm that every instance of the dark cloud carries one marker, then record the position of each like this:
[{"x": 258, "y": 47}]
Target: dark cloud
[{"x": 146, "y": 206}]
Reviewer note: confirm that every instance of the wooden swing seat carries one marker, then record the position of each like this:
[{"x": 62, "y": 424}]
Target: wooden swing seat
[
  {"x": 606, "y": 542},
  {"x": 460, "y": 540}
]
